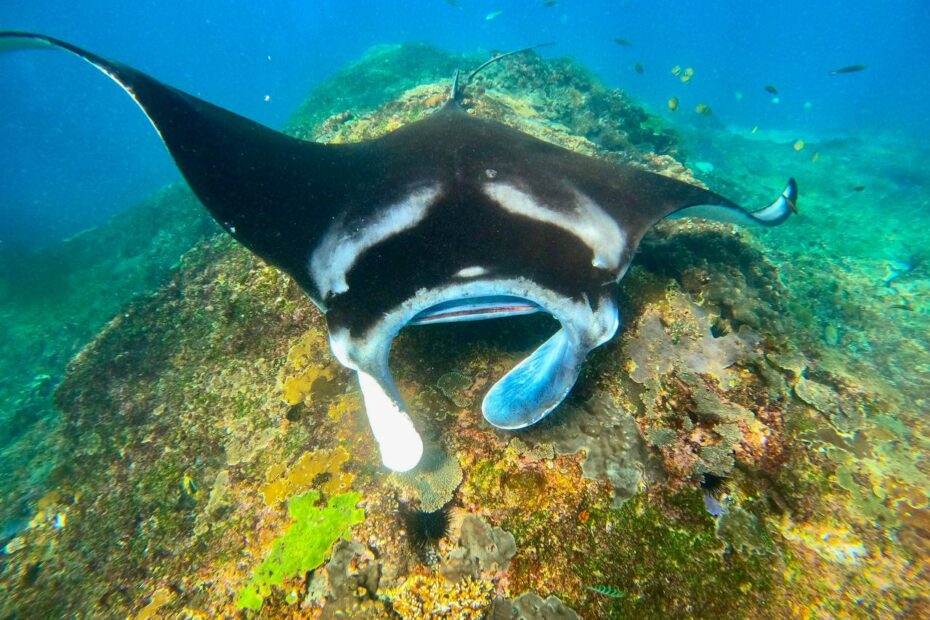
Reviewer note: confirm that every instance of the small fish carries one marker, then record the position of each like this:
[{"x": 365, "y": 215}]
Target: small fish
[
  {"x": 493, "y": 15},
  {"x": 738, "y": 96},
  {"x": 859, "y": 188},
  {"x": 454, "y": 3},
  {"x": 550, "y": 3},
  {"x": 771, "y": 90},
  {"x": 848, "y": 69},
  {"x": 816, "y": 156},
  {"x": 703, "y": 108},
  {"x": 687, "y": 74},
  {"x": 712, "y": 505},
  {"x": 895, "y": 269},
  {"x": 638, "y": 68},
  {"x": 189, "y": 486},
  {"x": 799, "y": 145},
  {"x": 676, "y": 69},
  {"x": 673, "y": 104},
  {"x": 610, "y": 591},
  {"x": 755, "y": 129},
  {"x": 623, "y": 43}
]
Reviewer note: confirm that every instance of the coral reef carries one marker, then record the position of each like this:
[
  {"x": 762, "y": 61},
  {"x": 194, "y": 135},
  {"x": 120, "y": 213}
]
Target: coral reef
[
  {"x": 423, "y": 597},
  {"x": 433, "y": 482},
  {"x": 482, "y": 550}
]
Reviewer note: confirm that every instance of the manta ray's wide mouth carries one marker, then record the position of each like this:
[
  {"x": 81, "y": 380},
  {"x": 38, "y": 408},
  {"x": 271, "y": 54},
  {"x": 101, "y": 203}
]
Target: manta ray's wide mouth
[{"x": 475, "y": 309}]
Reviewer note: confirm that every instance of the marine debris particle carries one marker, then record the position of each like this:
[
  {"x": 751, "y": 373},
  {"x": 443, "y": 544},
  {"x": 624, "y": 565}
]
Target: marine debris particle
[
  {"x": 304, "y": 369},
  {"x": 433, "y": 481},
  {"x": 432, "y": 596},
  {"x": 305, "y": 545},
  {"x": 483, "y": 551},
  {"x": 320, "y": 469},
  {"x": 454, "y": 386}
]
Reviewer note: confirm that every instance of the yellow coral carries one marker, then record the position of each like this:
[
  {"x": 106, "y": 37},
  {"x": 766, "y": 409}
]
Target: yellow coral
[
  {"x": 321, "y": 469},
  {"x": 433, "y": 597},
  {"x": 159, "y": 598},
  {"x": 301, "y": 371}
]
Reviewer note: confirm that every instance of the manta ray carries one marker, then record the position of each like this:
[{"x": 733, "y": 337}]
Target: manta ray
[{"x": 450, "y": 218}]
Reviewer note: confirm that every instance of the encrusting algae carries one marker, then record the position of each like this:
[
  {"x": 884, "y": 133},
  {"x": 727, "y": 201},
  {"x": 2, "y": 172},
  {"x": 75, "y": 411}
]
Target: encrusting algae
[
  {"x": 305, "y": 545},
  {"x": 320, "y": 469}
]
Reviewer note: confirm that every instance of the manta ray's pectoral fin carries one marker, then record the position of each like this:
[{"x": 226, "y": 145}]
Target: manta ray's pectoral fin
[
  {"x": 267, "y": 189},
  {"x": 725, "y": 211},
  {"x": 535, "y": 386}
]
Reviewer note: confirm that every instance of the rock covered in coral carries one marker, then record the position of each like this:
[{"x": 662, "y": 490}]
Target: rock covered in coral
[{"x": 482, "y": 550}]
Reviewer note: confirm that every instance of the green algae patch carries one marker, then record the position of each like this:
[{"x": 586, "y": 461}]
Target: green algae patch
[{"x": 305, "y": 545}]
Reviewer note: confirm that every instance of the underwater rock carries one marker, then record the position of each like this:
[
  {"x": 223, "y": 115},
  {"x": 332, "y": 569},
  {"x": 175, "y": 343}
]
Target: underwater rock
[
  {"x": 453, "y": 385},
  {"x": 320, "y": 469},
  {"x": 614, "y": 448},
  {"x": 531, "y": 606},
  {"x": 690, "y": 344},
  {"x": 482, "y": 550},
  {"x": 351, "y": 580},
  {"x": 743, "y": 532},
  {"x": 819, "y": 396},
  {"x": 538, "y": 452},
  {"x": 218, "y": 504}
]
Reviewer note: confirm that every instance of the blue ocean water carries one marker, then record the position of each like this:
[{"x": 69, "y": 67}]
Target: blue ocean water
[{"x": 76, "y": 150}]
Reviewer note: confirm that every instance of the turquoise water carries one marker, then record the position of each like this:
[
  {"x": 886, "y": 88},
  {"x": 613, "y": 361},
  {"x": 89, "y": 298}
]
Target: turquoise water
[{"x": 145, "y": 475}]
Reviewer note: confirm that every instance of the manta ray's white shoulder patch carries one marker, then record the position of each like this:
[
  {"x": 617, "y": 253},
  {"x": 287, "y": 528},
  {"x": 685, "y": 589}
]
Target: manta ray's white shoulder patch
[
  {"x": 344, "y": 242},
  {"x": 585, "y": 220}
]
